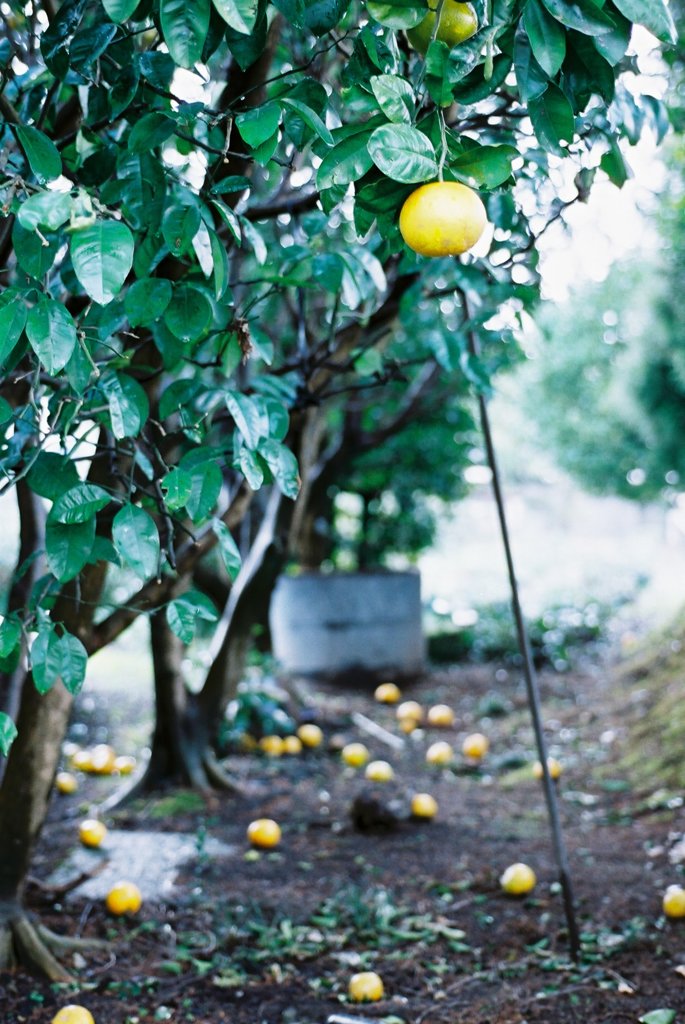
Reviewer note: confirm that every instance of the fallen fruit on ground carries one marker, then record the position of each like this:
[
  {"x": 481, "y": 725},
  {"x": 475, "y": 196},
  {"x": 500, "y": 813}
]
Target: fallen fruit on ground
[
  {"x": 310, "y": 735},
  {"x": 518, "y": 879},
  {"x": 73, "y": 1015},
  {"x": 292, "y": 745},
  {"x": 440, "y": 715},
  {"x": 91, "y": 832},
  {"x": 458, "y": 22},
  {"x": 80, "y": 760},
  {"x": 475, "y": 746},
  {"x": 264, "y": 833},
  {"x": 674, "y": 901},
  {"x": 554, "y": 768},
  {"x": 124, "y": 898},
  {"x": 423, "y": 805},
  {"x": 439, "y": 753},
  {"x": 407, "y": 725},
  {"x": 443, "y": 218},
  {"x": 410, "y": 709},
  {"x": 365, "y": 987},
  {"x": 355, "y": 754},
  {"x": 379, "y": 771},
  {"x": 125, "y": 764},
  {"x": 66, "y": 782},
  {"x": 271, "y": 745},
  {"x": 387, "y": 693},
  {"x": 102, "y": 759}
]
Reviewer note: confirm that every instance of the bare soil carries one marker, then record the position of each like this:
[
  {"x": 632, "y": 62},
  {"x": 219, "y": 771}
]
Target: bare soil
[{"x": 274, "y": 937}]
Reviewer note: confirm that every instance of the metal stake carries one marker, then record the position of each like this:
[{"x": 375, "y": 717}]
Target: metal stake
[{"x": 532, "y": 687}]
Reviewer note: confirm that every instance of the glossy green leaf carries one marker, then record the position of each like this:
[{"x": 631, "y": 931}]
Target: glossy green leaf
[
  {"x": 206, "y": 487},
  {"x": 10, "y": 635},
  {"x": 653, "y": 14},
  {"x": 248, "y": 417},
  {"x": 102, "y": 256},
  {"x": 310, "y": 118},
  {"x": 8, "y": 733},
  {"x": 150, "y": 131},
  {"x": 68, "y": 547},
  {"x": 185, "y": 26},
  {"x": 395, "y": 97},
  {"x": 48, "y": 210},
  {"x": 583, "y": 15},
  {"x": 552, "y": 118},
  {"x": 347, "y": 161},
  {"x": 241, "y": 15},
  {"x": 33, "y": 256},
  {"x": 128, "y": 404},
  {"x": 73, "y": 659},
  {"x": 251, "y": 468},
  {"x": 397, "y": 14},
  {"x": 179, "y": 226},
  {"x": 12, "y": 322},
  {"x": 189, "y": 314},
  {"x": 51, "y": 332},
  {"x": 136, "y": 539},
  {"x": 283, "y": 465},
  {"x": 546, "y": 35},
  {"x": 146, "y": 300},
  {"x": 184, "y": 613},
  {"x": 51, "y": 475},
  {"x": 230, "y": 555},
  {"x": 484, "y": 166},
  {"x": 178, "y": 487},
  {"x": 120, "y": 10},
  {"x": 80, "y": 503},
  {"x": 258, "y": 125},
  {"x": 403, "y": 153},
  {"x": 229, "y": 218},
  {"x": 46, "y": 659},
  {"x": 41, "y": 153}
]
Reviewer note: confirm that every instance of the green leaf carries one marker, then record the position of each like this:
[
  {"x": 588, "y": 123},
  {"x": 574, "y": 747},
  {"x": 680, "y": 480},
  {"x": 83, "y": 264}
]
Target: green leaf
[
  {"x": 663, "y": 1016},
  {"x": 283, "y": 465},
  {"x": 120, "y": 10},
  {"x": 395, "y": 97},
  {"x": 185, "y": 26},
  {"x": 615, "y": 165},
  {"x": 80, "y": 503},
  {"x": 547, "y": 37},
  {"x": 179, "y": 226},
  {"x": 10, "y": 635},
  {"x": 46, "y": 659},
  {"x": 33, "y": 255},
  {"x": 184, "y": 613},
  {"x": 346, "y": 162},
  {"x": 177, "y": 486},
  {"x": 248, "y": 417},
  {"x": 310, "y": 118},
  {"x": 397, "y": 14},
  {"x": 136, "y": 540},
  {"x": 51, "y": 332},
  {"x": 258, "y": 125},
  {"x": 532, "y": 81},
  {"x": 229, "y": 218},
  {"x": 150, "y": 131},
  {"x": 228, "y": 548},
  {"x": 146, "y": 300},
  {"x": 41, "y": 153},
  {"x": 102, "y": 256},
  {"x": 241, "y": 15},
  {"x": 653, "y": 14},
  {"x": 251, "y": 468},
  {"x": 206, "y": 487},
  {"x": 45, "y": 210},
  {"x": 552, "y": 119},
  {"x": 51, "y": 475},
  {"x": 128, "y": 404},
  {"x": 403, "y": 153},
  {"x": 189, "y": 314},
  {"x": 12, "y": 322},
  {"x": 73, "y": 659},
  {"x": 583, "y": 15},
  {"x": 8, "y": 733},
  {"x": 68, "y": 547}
]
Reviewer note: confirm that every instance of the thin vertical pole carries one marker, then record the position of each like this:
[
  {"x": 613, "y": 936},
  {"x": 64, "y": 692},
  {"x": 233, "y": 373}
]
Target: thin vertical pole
[{"x": 530, "y": 675}]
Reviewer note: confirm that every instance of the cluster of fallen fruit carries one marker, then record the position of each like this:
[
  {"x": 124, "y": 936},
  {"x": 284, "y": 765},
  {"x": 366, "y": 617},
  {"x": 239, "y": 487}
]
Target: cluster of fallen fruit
[{"x": 264, "y": 833}]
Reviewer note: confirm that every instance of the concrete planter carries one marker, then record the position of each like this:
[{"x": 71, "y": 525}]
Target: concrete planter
[{"x": 356, "y": 625}]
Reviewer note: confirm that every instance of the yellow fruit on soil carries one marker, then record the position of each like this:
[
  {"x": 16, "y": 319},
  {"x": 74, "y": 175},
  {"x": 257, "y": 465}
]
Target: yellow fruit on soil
[
  {"x": 441, "y": 716},
  {"x": 271, "y": 745},
  {"x": 264, "y": 832},
  {"x": 443, "y": 218},
  {"x": 125, "y": 764},
  {"x": 102, "y": 759},
  {"x": 553, "y": 766},
  {"x": 91, "y": 832},
  {"x": 458, "y": 22},
  {"x": 674, "y": 901},
  {"x": 439, "y": 753},
  {"x": 379, "y": 771},
  {"x": 423, "y": 805},
  {"x": 355, "y": 754},
  {"x": 475, "y": 746},
  {"x": 65, "y": 782},
  {"x": 387, "y": 693},
  {"x": 518, "y": 880},
  {"x": 124, "y": 898},
  {"x": 73, "y": 1015},
  {"x": 366, "y": 987},
  {"x": 80, "y": 760},
  {"x": 410, "y": 709},
  {"x": 310, "y": 735},
  {"x": 407, "y": 725},
  {"x": 292, "y": 745}
]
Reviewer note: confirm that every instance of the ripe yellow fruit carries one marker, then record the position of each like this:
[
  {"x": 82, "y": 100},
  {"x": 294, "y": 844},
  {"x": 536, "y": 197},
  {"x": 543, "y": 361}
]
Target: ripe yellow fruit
[
  {"x": 264, "y": 832},
  {"x": 125, "y": 764},
  {"x": 443, "y": 218},
  {"x": 554, "y": 768},
  {"x": 91, "y": 832},
  {"x": 310, "y": 735},
  {"x": 475, "y": 746},
  {"x": 423, "y": 805},
  {"x": 458, "y": 22},
  {"x": 271, "y": 745},
  {"x": 379, "y": 771},
  {"x": 80, "y": 760},
  {"x": 124, "y": 898},
  {"x": 355, "y": 754},
  {"x": 65, "y": 782},
  {"x": 410, "y": 709},
  {"x": 73, "y": 1015},
  {"x": 407, "y": 725},
  {"x": 292, "y": 745},
  {"x": 102, "y": 759},
  {"x": 387, "y": 693},
  {"x": 439, "y": 753},
  {"x": 366, "y": 987},
  {"x": 440, "y": 716},
  {"x": 518, "y": 880},
  {"x": 674, "y": 901}
]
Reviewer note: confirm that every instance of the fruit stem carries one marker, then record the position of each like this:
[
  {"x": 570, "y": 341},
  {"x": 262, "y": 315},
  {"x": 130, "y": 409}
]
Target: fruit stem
[{"x": 443, "y": 145}]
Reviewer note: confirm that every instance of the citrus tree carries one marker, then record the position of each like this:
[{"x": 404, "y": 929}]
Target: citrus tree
[{"x": 205, "y": 208}]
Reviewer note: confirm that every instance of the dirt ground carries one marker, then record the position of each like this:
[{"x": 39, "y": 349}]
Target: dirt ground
[{"x": 274, "y": 937}]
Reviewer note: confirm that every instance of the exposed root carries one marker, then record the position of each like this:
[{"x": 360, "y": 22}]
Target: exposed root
[
  {"x": 34, "y": 953},
  {"x": 55, "y": 891},
  {"x": 219, "y": 778},
  {"x": 68, "y": 943}
]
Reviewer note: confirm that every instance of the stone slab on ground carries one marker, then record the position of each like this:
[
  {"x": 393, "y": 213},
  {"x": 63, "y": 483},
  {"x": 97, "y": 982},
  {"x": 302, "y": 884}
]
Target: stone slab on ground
[{"x": 150, "y": 859}]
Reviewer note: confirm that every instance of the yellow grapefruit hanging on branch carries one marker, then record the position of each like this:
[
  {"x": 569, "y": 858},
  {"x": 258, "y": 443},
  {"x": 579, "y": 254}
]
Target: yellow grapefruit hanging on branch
[
  {"x": 443, "y": 218},
  {"x": 458, "y": 22}
]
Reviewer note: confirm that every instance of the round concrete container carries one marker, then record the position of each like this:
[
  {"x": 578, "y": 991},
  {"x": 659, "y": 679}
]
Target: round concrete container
[{"x": 344, "y": 624}]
